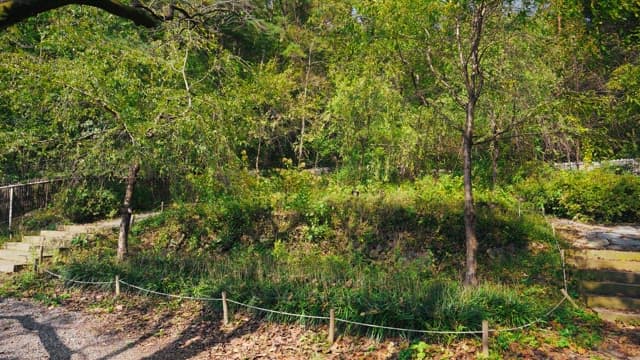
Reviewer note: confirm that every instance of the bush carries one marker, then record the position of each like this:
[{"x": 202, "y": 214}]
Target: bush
[
  {"x": 86, "y": 203},
  {"x": 44, "y": 219},
  {"x": 597, "y": 195}
]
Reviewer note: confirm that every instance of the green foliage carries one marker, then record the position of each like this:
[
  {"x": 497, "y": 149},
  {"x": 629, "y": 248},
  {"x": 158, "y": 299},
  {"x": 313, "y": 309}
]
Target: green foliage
[
  {"x": 44, "y": 219},
  {"x": 598, "y": 195},
  {"x": 86, "y": 203}
]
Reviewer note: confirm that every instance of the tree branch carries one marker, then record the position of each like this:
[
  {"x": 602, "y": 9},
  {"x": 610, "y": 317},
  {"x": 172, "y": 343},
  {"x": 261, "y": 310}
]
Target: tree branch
[
  {"x": 14, "y": 11},
  {"x": 442, "y": 81}
]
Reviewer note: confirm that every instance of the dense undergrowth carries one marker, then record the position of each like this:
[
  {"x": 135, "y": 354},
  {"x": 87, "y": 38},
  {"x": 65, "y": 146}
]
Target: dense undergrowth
[
  {"x": 377, "y": 253},
  {"x": 600, "y": 195}
]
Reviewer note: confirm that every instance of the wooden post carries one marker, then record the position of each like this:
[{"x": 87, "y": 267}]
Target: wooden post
[
  {"x": 485, "y": 338},
  {"x": 225, "y": 309},
  {"x": 41, "y": 255},
  {"x": 566, "y": 295},
  {"x": 332, "y": 326},
  {"x": 162, "y": 206},
  {"x": 117, "y": 285},
  {"x": 35, "y": 265},
  {"x": 131, "y": 220}
]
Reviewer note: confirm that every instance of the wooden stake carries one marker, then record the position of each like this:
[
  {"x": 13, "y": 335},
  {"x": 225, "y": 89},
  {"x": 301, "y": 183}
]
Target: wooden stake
[
  {"x": 117, "y": 285},
  {"x": 225, "y": 309},
  {"x": 35, "y": 265},
  {"x": 41, "y": 257},
  {"x": 566, "y": 295},
  {"x": 332, "y": 326},
  {"x": 519, "y": 210},
  {"x": 485, "y": 338},
  {"x": 162, "y": 206}
]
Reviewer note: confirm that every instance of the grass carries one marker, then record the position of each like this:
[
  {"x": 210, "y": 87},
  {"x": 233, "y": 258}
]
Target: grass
[
  {"x": 399, "y": 293},
  {"x": 391, "y": 255}
]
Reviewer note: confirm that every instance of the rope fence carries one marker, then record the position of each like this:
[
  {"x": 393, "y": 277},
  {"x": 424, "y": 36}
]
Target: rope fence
[{"x": 331, "y": 319}]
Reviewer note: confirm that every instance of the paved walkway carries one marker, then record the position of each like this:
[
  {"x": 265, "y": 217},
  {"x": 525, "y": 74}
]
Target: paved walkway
[{"x": 584, "y": 236}]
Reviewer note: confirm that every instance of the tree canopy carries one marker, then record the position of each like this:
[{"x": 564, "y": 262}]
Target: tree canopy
[{"x": 383, "y": 91}]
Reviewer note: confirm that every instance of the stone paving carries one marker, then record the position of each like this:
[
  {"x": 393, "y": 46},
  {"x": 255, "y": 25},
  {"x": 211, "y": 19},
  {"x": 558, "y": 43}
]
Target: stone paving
[{"x": 585, "y": 236}]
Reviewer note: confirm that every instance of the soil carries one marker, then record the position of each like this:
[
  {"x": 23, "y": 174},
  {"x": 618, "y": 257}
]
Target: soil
[{"x": 93, "y": 325}]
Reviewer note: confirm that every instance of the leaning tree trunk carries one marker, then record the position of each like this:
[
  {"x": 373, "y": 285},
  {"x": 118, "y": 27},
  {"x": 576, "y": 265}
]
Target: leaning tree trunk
[
  {"x": 470, "y": 278},
  {"x": 123, "y": 237}
]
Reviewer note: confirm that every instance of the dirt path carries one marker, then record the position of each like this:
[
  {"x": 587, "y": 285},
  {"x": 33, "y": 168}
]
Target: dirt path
[
  {"x": 31, "y": 331},
  {"x": 142, "y": 330}
]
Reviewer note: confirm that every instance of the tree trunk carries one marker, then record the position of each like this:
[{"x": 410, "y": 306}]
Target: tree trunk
[
  {"x": 470, "y": 278},
  {"x": 123, "y": 237}
]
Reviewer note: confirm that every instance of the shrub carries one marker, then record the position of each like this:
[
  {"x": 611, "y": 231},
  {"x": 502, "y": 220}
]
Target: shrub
[
  {"x": 86, "y": 203},
  {"x": 597, "y": 195},
  {"x": 44, "y": 219}
]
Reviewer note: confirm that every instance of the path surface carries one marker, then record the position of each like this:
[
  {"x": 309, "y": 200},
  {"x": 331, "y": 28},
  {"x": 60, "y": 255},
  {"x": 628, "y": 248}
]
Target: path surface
[
  {"x": 30, "y": 331},
  {"x": 585, "y": 236}
]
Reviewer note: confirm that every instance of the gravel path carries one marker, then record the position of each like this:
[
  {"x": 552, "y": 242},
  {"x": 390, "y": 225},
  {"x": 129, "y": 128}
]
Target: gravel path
[{"x": 32, "y": 331}]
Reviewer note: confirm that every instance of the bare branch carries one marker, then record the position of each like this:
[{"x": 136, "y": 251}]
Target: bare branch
[
  {"x": 184, "y": 77},
  {"x": 442, "y": 81}
]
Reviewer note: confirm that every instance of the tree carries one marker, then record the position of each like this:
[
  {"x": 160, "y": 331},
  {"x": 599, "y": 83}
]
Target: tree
[
  {"x": 114, "y": 99},
  {"x": 463, "y": 62}
]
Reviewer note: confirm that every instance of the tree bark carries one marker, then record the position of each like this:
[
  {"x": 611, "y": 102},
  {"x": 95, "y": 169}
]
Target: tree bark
[
  {"x": 470, "y": 278},
  {"x": 123, "y": 237},
  {"x": 14, "y": 11}
]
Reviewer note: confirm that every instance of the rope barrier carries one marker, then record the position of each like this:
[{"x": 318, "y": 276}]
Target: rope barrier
[
  {"x": 169, "y": 295},
  {"x": 79, "y": 281},
  {"x": 302, "y": 316},
  {"x": 315, "y": 317}
]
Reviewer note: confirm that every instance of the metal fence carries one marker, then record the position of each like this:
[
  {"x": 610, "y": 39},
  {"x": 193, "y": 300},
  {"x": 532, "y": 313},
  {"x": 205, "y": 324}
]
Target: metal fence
[
  {"x": 631, "y": 165},
  {"x": 18, "y": 199}
]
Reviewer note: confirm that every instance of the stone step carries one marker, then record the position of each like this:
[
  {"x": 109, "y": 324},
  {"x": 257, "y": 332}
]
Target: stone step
[
  {"x": 7, "y": 266},
  {"x": 56, "y": 235},
  {"x": 600, "y": 264},
  {"x": 614, "y": 255},
  {"x": 12, "y": 245},
  {"x": 610, "y": 276},
  {"x": 32, "y": 248},
  {"x": 78, "y": 229},
  {"x": 51, "y": 244},
  {"x": 33, "y": 239},
  {"x": 19, "y": 257},
  {"x": 614, "y": 302},
  {"x": 610, "y": 289},
  {"x": 618, "y": 316}
]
